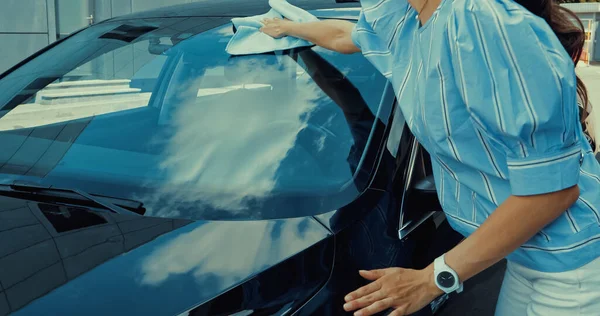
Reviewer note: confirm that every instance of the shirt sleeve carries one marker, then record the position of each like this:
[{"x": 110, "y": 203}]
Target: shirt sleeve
[
  {"x": 519, "y": 86},
  {"x": 372, "y": 46},
  {"x": 378, "y": 24},
  {"x": 365, "y": 38},
  {"x": 360, "y": 26}
]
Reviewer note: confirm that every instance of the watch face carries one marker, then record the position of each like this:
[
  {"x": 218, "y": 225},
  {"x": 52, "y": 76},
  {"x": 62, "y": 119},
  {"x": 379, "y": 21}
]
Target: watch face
[{"x": 446, "y": 279}]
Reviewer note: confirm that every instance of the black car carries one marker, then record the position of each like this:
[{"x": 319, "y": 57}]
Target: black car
[{"x": 145, "y": 171}]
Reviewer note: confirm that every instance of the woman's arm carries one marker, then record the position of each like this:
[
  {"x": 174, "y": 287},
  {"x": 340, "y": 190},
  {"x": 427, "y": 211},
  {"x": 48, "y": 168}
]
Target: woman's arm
[
  {"x": 513, "y": 223},
  {"x": 335, "y": 35}
]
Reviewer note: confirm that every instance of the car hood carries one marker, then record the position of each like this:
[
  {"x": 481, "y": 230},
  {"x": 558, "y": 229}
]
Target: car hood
[{"x": 71, "y": 259}]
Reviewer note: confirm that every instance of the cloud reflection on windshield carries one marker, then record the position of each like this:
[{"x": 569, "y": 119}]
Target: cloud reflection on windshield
[
  {"x": 229, "y": 146},
  {"x": 229, "y": 251}
]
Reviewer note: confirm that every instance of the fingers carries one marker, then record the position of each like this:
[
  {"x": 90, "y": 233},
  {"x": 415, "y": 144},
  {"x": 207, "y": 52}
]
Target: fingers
[
  {"x": 365, "y": 290},
  {"x": 364, "y": 301},
  {"x": 376, "y": 307},
  {"x": 265, "y": 23},
  {"x": 398, "y": 312},
  {"x": 267, "y": 20},
  {"x": 372, "y": 275}
]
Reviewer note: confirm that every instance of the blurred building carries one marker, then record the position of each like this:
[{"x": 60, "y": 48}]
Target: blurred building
[
  {"x": 589, "y": 13},
  {"x": 29, "y": 25}
]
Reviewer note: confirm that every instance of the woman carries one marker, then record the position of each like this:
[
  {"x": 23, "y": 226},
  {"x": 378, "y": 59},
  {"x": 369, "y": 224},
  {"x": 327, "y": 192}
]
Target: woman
[{"x": 489, "y": 89}]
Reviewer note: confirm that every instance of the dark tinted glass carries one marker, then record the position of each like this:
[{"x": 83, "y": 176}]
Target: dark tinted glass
[{"x": 157, "y": 111}]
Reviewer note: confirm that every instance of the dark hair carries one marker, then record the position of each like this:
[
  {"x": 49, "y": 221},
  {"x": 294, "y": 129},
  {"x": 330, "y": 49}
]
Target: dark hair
[{"x": 569, "y": 30}]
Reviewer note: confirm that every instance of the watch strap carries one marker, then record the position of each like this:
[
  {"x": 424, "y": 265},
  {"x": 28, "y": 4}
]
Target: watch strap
[{"x": 439, "y": 265}]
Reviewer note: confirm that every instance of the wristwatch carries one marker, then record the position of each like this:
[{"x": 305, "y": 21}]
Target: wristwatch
[{"x": 446, "y": 278}]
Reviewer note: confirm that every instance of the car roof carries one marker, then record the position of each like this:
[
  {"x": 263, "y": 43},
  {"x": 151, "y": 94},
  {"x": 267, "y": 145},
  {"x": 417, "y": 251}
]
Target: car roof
[{"x": 237, "y": 8}]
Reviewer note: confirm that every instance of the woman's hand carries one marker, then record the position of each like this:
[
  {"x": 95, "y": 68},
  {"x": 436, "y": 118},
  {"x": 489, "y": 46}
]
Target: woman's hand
[
  {"x": 404, "y": 290},
  {"x": 275, "y": 28}
]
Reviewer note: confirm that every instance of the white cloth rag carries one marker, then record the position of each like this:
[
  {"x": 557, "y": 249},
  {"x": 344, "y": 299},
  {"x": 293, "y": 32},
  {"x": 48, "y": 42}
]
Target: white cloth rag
[{"x": 248, "y": 39}]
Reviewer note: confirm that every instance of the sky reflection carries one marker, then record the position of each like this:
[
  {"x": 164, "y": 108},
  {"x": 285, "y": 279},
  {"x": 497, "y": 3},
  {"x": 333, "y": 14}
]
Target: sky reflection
[
  {"x": 207, "y": 136},
  {"x": 228, "y": 252}
]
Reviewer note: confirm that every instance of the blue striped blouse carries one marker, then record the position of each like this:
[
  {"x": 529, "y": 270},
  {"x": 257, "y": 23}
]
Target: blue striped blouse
[{"x": 490, "y": 92}]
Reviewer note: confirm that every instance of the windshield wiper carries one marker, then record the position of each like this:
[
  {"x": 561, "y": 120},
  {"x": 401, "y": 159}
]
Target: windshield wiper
[{"x": 59, "y": 193}]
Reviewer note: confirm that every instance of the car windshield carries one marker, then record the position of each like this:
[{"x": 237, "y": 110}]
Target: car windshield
[{"x": 156, "y": 111}]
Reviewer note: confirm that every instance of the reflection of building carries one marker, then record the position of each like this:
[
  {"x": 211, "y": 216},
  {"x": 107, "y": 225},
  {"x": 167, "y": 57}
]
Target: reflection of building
[
  {"x": 28, "y": 25},
  {"x": 71, "y": 100},
  {"x": 589, "y": 13},
  {"x": 45, "y": 245}
]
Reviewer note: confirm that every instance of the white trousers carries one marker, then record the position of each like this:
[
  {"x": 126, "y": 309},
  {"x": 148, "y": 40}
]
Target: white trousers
[{"x": 529, "y": 292}]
